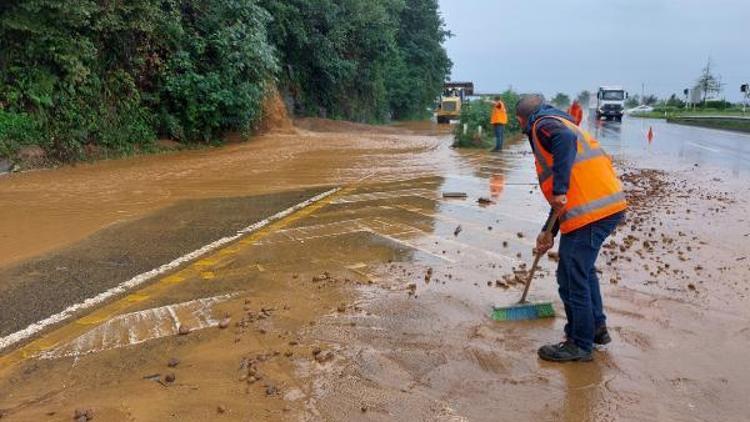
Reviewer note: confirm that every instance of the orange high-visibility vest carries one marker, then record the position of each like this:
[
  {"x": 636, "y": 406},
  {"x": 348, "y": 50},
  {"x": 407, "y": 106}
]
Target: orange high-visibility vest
[
  {"x": 595, "y": 191},
  {"x": 499, "y": 115}
]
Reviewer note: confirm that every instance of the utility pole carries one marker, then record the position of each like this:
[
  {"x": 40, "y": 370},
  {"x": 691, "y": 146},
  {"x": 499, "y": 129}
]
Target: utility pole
[
  {"x": 745, "y": 89},
  {"x": 643, "y": 93},
  {"x": 686, "y": 91}
]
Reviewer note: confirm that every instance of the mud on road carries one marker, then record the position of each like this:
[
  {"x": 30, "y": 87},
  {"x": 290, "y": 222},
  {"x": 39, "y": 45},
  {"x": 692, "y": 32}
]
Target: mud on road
[{"x": 373, "y": 305}]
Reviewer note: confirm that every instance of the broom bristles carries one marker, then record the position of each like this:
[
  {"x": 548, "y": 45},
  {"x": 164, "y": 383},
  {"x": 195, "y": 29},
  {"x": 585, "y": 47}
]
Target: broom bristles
[{"x": 523, "y": 312}]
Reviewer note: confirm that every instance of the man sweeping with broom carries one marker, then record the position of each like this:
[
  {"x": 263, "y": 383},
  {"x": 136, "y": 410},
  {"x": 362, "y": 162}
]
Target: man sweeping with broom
[{"x": 580, "y": 184}]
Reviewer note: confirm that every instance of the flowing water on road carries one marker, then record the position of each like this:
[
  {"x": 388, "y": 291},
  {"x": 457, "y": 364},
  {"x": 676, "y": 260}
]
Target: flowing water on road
[{"x": 374, "y": 304}]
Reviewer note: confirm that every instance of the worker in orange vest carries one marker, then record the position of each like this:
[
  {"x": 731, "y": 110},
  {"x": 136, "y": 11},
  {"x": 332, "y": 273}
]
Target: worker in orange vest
[
  {"x": 576, "y": 112},
  {"x": 580, "y": 184},
  {"x": 499, "y": 119}
]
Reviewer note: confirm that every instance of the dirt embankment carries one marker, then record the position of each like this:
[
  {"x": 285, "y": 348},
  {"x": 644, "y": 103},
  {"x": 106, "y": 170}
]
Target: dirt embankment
[{"x": 275, "y": 115}]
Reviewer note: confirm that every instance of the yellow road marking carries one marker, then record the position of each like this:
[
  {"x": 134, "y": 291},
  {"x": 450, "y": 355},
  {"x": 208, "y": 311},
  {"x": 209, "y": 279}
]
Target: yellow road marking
[{"x": 83, "y": 324}]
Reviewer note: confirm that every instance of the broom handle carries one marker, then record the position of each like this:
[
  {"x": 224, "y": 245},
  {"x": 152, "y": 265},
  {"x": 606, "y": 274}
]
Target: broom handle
[{"x": 547, "y": 230}]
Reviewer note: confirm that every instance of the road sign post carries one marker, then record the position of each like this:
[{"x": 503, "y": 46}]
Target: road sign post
[{"x": 686, "y": 91}]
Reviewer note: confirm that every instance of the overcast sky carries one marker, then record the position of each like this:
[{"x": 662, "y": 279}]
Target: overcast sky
[{"x": 549, "y": 45}]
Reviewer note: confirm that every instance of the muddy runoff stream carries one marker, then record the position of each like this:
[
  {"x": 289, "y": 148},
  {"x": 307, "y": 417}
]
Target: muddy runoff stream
[{"x": 374, "y": 304}]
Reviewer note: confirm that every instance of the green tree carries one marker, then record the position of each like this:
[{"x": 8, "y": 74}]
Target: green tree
[
  {"x": 632, "y": 101},
  {"x": 675, "y": 101},
  {"x": 584, "y": 98},
  {"x": 335, "y": 54},
  {"x": 117, "y": 74},
  {"x": 421, "y": 65},
  {"x": 217, "y": 70},
  {"x": 560, "y": 100},
  {"x": 650, "y": 100},
  {"x": 358, "y": 59},
  {"x": 708, "y": 82}
]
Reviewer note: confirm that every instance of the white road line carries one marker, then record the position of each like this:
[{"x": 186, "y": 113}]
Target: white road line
[
  {"x": 144, "y": 277},
  {"x": 375, "y": 196},
  {"x": 704, "y": 147},
  {"x": 413, "y": 246},
  {"x": 141, "y": 326}
]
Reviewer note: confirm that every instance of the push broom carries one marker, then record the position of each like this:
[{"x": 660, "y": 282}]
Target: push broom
[{"x": 524, "y": 310}]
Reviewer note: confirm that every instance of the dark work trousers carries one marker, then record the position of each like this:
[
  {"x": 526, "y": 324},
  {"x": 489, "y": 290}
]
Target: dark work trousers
[
  {"x": 578, "y": 282},
  {"x": 499, "y": 136}
]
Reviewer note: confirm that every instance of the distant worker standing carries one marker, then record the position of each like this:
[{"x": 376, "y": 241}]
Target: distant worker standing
[
  {"x": 580, "y": 184},
  {"x": 576, "y": 112},
  {"x": 499, "y": 119}
]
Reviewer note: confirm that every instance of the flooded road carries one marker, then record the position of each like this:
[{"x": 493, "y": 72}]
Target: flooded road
[
  {"x": 676, "y": 145},
  {"x": 373, "y": 303}
]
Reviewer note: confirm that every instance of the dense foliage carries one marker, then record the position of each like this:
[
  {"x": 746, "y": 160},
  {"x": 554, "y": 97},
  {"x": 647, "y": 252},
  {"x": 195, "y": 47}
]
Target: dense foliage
[
  {"x": 117, "y": 74},
  {"x": 360, "y": 59}
]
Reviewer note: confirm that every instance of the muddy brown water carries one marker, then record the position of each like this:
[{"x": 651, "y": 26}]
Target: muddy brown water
[
  {"x": 403, "y": 345},
  {"x": 48, "y": 209}
]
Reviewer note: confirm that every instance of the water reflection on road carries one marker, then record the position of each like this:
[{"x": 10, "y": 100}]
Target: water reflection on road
[{"x": 674, "y": 146}]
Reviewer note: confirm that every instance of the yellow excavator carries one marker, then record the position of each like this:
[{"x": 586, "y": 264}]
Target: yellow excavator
[{"x": 454, "y": 95}]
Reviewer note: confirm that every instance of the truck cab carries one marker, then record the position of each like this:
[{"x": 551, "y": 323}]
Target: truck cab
[
  {"x": 449, "y": 107},
  {"x": 453, "y": 98},
  {"x": 610, "y": 102}
]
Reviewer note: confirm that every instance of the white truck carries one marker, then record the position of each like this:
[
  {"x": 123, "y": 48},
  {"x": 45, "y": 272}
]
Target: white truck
[{"x": 610, "y": 102}]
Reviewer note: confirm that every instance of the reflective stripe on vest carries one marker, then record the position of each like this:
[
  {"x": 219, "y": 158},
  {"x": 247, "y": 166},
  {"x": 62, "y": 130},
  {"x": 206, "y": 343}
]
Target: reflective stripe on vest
[{"x": 593, "y": 206}]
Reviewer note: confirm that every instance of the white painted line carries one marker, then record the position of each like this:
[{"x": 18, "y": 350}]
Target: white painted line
[
  {"x": 375, "y": 196},
  {"x": 144, "y": 277},
  {"x": 704, "y": 147},
  {"x": 415, "y": 247}
]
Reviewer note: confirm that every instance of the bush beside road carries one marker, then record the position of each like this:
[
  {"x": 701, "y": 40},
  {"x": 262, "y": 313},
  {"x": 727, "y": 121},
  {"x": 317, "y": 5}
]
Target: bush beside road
[
  {"x": 728, "y": 119},
  {"x": 477, "y": 114},
  {"x": 661, "y": 112},
  {"x": 737, "y": 123}
]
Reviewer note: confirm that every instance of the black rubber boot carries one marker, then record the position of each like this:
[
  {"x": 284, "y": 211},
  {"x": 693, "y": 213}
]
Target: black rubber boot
[
  {"x": 564, "y": 352},
  {"x": 601, "y": 336}
]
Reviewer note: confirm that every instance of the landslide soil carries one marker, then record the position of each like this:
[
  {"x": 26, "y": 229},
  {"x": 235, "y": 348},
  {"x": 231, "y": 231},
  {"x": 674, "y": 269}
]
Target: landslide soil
[{"x": 403, "y": 334}]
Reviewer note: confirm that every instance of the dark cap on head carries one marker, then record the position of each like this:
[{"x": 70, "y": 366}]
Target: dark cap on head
[{"x": 528, "y": 104}]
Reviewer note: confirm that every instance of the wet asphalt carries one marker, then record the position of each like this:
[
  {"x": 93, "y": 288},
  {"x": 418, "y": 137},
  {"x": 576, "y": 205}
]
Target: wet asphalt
[
  {"x": 674, "y": 146},
  {"x": 43, "y": 286}
]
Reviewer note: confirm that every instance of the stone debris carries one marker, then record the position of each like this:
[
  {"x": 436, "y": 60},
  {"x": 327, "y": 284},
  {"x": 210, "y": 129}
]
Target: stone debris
[
  {"x": 324, "y": 356},
  {"x": 83, "y": 415},
  {"x": 271, "y": 390},
  {"x": 224, "y": 323}
]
